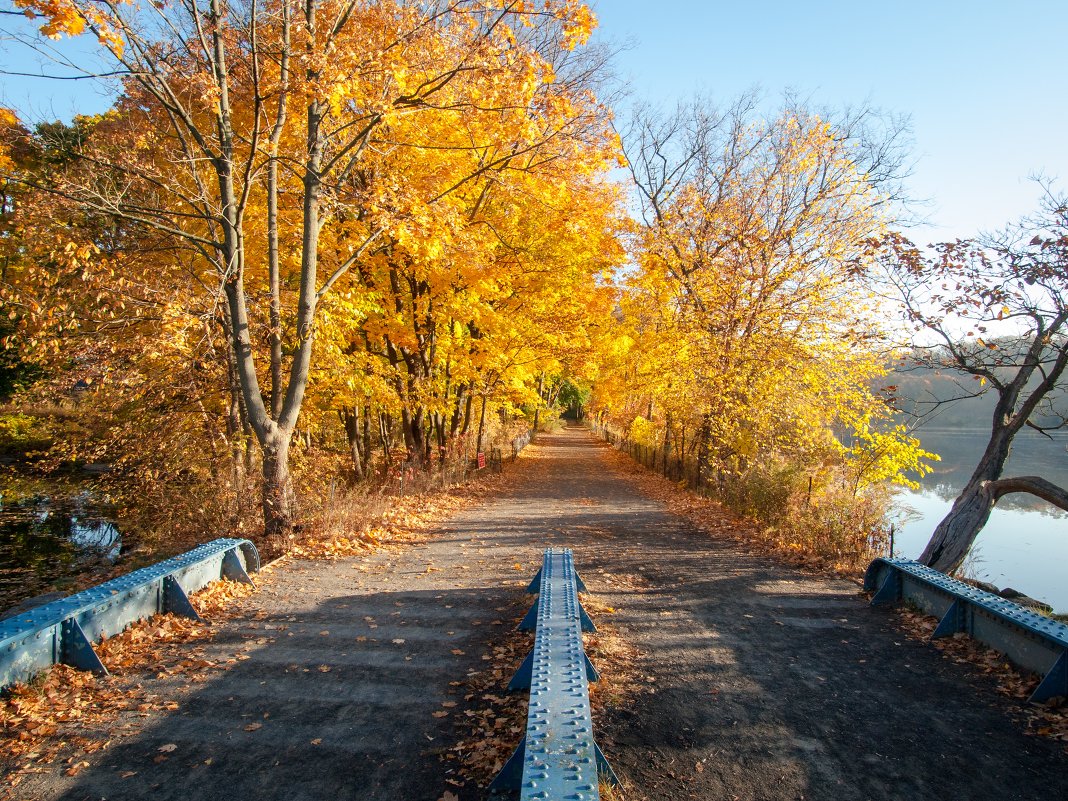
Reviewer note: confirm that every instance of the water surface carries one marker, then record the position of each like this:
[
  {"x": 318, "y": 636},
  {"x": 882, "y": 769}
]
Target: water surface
[
  {"x": 1025, "y": 543},
  {"x": 48, "y": 539}
]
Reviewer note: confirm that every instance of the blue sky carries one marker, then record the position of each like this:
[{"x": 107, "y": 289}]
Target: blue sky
[{"x": 982, "y": 81}]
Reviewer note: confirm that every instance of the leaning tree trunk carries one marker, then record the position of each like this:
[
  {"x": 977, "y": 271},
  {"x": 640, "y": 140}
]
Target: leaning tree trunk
[{"x": 953, "y": 537}]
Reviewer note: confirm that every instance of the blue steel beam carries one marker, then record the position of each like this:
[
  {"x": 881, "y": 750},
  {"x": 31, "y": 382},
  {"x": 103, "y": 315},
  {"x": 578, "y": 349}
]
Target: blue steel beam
[
  {"x": 1030, "y": 640},
  {"x": 63, "y": 631},
  {"x": 558, "y": 757}
]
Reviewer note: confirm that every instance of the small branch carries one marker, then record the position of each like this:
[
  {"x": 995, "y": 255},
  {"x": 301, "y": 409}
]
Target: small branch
[
  {"x": 1044, "y": 430},
  {"x": 86, "y": 77}
]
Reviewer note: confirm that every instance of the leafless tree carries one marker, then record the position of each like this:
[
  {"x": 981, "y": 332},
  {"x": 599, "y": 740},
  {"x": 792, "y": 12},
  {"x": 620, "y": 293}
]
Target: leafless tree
[{"x": 995, "y": 310}]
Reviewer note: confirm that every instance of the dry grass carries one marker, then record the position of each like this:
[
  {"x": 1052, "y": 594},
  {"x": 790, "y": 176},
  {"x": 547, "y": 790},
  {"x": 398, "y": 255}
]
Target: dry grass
[{"x": 827, "y": 530}]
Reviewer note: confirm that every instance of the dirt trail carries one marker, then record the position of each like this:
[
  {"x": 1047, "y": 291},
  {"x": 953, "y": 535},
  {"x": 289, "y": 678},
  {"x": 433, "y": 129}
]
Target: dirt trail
[{"x": 755, "y": 681}]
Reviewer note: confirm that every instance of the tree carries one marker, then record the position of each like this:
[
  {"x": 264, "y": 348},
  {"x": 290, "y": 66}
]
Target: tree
[
  {"x": 995, "y": 310},
  {"x": 230, "y": 107},
  {"x": 749, "y": 333}
]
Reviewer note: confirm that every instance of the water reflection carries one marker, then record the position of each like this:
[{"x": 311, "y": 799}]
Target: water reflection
[
  {"x": 46, "y": 539},
  {"x": 1025, "y": 543}
]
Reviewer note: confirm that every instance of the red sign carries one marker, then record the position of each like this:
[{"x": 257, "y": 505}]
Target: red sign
[{"x": 481, "y": 460}]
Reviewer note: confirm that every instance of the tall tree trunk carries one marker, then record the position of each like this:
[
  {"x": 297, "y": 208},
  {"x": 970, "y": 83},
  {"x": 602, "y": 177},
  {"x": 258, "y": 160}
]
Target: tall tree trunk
[
  {"x": 367, "y": 439},
  {"x": 667, "y": 441},
  {"x": 277, "y": 489},
  {"x": 457, "y": 413},
  {"x": 537, "y": 409},
  {"x": 273, "y": 256},
  {"x": 481, "y": 426},
  {"x": 235, "y": 428},
  {"x": 351, "y": 421},
  {"x": 416, "y": 440},
  {"x": 467, "y": 414},
  {"x": 703, "y": 449},
  {"x": 384, "y": 426},
  {"x": 681, "y": 451}
]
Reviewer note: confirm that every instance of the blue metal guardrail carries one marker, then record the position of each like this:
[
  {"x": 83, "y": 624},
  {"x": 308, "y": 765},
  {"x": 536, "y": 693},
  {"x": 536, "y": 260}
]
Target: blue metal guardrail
[
  {"x": 63, "y": 631},
  {"x": 1032, "y": 641},
  {"x": 557, "y": 758}
]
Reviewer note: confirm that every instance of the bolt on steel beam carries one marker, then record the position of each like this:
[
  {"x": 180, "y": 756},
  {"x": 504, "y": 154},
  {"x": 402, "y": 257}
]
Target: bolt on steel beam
[{"x": 558, "y": 757}]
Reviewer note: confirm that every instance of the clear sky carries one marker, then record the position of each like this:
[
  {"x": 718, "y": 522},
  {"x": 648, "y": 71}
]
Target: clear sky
[{"x": 982, "y": 81}]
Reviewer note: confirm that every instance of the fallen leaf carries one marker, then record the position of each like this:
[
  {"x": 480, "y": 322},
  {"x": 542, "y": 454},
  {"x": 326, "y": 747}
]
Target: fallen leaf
[
  {"x": 317, "y": 741},
  {"x": 253, "y": 726},
  {"x": 166, "y": 749}
]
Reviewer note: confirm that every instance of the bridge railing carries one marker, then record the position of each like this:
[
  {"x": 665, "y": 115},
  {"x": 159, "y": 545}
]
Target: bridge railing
[
  {"x": 62, "y": 632},
  {"x": 557, "y": 757},
  {"x": 1032, "y": 641}
]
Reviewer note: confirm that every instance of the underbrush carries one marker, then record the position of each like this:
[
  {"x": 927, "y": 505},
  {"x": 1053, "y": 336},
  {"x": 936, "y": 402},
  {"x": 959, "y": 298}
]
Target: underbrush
[
  {"x": 816, "y": 515},
  {"x": 818, "y": 518}
]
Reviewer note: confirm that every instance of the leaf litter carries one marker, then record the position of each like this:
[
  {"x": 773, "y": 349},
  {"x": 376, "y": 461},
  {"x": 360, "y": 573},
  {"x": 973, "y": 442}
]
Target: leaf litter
[
  {"x": 67, "y": 713},
  {"x": 1049, "y": 719}
]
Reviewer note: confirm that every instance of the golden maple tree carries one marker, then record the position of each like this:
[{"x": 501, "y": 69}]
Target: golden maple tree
[{"x": 400, "y": 187}]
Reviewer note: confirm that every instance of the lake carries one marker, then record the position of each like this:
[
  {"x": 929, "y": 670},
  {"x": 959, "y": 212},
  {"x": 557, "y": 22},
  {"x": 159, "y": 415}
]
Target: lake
[
  {"x": 1025, "y": 543},
  {"x": 49, "y": 537}
]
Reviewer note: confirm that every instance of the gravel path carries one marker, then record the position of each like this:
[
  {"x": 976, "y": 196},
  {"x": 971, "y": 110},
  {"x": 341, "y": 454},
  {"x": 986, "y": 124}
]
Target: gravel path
[{"x": 753, "y": 681}]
